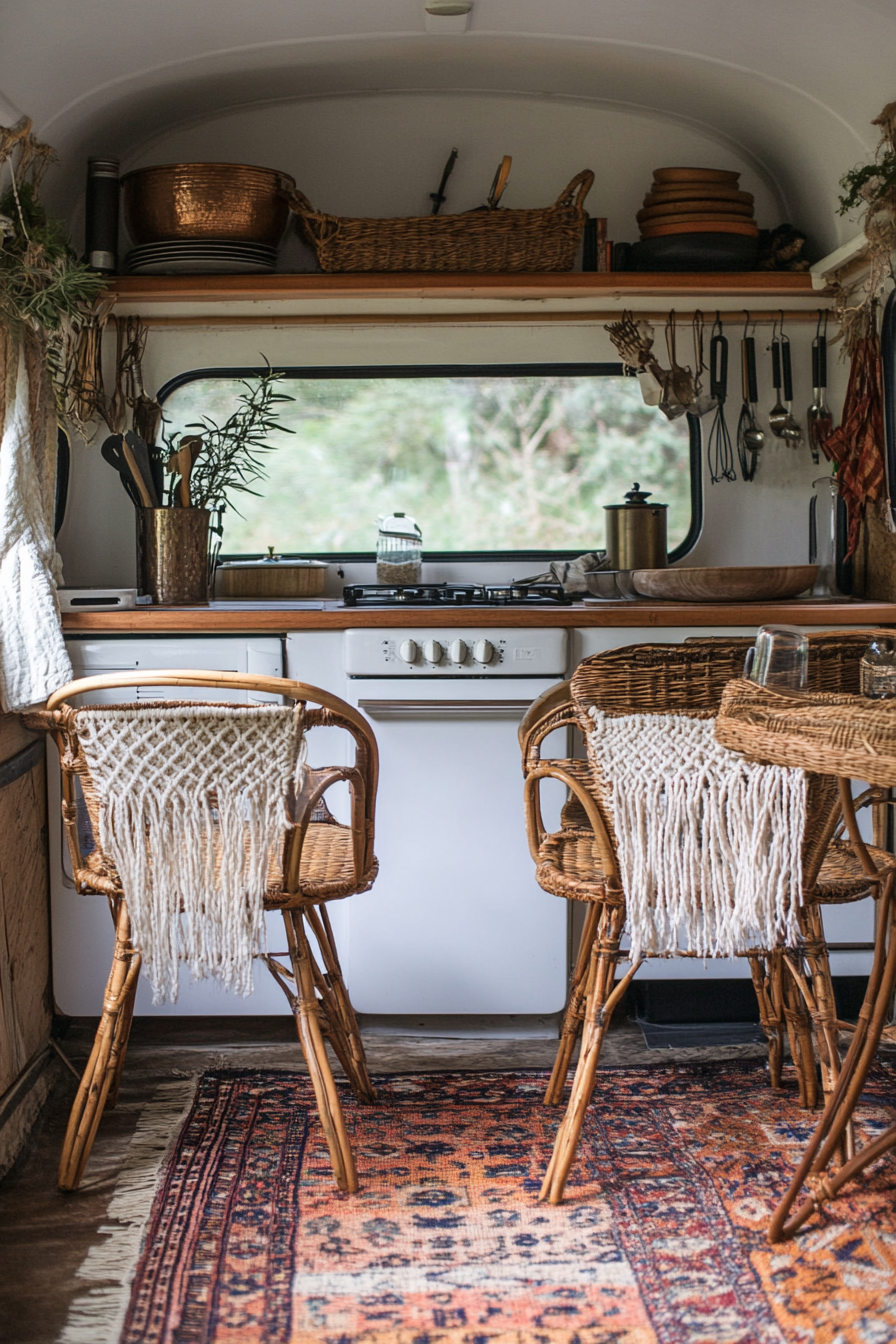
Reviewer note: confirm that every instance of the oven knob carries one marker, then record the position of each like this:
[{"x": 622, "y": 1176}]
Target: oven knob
[
  {"x": 457, "y": 651},
  {"x": 407, "y": 651},
  {"x": 483, "y": 651},
  {"x": 432, "y": 651}
]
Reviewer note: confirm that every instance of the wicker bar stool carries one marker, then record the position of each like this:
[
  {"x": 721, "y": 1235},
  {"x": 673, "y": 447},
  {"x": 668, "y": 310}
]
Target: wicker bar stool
[
  {"x": 320, "y": 860},
  {"x": 578, "y": 862}
]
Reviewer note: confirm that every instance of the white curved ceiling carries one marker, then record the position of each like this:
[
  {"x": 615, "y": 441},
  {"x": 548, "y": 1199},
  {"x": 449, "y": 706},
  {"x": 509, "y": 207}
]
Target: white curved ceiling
[{"x": 793, "y": 85}]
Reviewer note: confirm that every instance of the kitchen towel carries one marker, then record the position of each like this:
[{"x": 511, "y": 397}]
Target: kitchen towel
[
  {"x": 33, "y": 657},
  {"x": 709, "y": 845}
]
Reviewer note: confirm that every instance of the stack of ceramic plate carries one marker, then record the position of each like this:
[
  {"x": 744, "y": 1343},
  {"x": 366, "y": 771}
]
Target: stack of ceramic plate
[
  {"x": 691, "y": 214},
  {"x": 201, "y": 257}
]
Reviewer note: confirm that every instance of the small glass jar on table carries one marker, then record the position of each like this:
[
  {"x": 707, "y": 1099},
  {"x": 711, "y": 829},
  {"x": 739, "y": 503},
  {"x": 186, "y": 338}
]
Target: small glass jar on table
[{"x": 399, "y": 550}]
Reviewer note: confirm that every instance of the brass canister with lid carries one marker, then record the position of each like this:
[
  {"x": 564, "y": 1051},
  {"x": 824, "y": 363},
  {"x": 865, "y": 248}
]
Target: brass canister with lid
[{"x": 636, "y": 532}]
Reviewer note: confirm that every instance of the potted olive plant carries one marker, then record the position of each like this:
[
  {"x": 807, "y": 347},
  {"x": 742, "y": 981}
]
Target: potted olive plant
[{"x": 205, "y": 465}]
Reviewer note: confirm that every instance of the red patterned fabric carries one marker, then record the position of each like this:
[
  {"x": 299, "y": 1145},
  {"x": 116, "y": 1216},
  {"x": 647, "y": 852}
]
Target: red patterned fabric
[
  {"x": 661, "y": 1240},
  {"x": 857, "y": 446}
]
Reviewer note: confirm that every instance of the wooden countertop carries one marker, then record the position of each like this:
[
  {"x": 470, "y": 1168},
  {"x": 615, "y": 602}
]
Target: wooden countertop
[{"x": 823, "y": 612}]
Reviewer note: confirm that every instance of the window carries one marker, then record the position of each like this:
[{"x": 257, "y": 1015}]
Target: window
[{"x": 492, "y": 461}]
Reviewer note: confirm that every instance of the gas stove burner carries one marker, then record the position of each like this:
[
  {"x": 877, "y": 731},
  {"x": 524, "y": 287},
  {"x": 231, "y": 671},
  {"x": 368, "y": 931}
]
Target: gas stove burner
[{"x": 453, "y": 594}]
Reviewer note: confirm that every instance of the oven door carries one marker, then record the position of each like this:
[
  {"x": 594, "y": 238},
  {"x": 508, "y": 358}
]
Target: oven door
[{"x": 455, "y": 923}]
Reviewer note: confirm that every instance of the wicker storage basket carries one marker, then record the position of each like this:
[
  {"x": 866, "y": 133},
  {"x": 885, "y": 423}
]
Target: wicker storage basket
[{"x": 487, "y": 241}]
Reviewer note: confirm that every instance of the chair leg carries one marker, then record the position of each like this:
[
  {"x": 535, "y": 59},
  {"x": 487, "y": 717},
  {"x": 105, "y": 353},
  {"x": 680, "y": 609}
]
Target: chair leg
[
  {"x": 307, "y": 1014},
  {"x": 341, "y": 1027},
  {"x": 765, "y": 969},
  {"x": 799, "y": 1031},
  {"x": 103, "y": 1071},
  {"x": 601, "y": 999},
  {"x": 575, "y": 1009}
]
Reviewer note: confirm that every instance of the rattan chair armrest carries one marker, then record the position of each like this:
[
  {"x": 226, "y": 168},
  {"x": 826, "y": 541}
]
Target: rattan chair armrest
[
  {"x": 40, "y": 720},
  {"x": 552, "y": 710},
  {"x": 535, "y": 832}
]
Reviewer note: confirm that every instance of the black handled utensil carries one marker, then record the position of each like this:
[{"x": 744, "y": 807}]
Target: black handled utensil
[
  {"x": 819, "y": 421},
  {"x": 791, "y": 432},
  {"x": 136, "y": 455},
  {"x": 749, "y": 437},
  {"x": 112, "y": 451},
  {"x": 438, "y": 197},
  {"x": 719, "y": 448}
]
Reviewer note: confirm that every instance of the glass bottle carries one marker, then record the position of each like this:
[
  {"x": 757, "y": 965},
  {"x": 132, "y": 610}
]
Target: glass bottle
[
  {"x": 399, "y": 550},
  {"x": 878, "y": 669},
  {"x": 823, "y": 536}
]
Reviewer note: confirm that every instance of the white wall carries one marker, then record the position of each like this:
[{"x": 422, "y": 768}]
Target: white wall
[
  {"x": 381, "y": 156},
  {"x": 760, "y": 522}
]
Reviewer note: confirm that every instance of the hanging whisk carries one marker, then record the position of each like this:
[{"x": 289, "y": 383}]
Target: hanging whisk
[{"x": 720, "y": 451}]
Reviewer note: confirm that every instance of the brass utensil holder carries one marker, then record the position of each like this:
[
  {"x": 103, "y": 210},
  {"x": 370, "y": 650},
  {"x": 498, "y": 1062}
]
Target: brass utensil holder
[{"x": 172, "y": 556}]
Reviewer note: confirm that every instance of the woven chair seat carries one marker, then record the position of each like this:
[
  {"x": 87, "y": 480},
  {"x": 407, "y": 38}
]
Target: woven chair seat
[
  {"x": 842, "y": 877},
  {"x": 327, "y": 871},
  {"x": 569, "y": 866}
]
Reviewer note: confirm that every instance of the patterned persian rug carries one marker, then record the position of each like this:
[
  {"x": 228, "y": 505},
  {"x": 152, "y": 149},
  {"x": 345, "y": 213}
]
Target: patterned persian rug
[{"x": 661, "y": 1240}]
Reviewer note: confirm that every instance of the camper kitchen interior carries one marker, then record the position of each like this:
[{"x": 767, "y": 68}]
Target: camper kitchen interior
[{"x": 448, "y": 672}]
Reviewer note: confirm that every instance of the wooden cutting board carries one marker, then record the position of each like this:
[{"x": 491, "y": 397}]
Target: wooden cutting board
[
  {"x": 695, "y": 175},
  {"x": 741, "y": 226}
]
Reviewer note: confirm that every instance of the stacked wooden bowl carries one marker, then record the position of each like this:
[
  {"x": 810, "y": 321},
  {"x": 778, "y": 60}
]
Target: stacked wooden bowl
[{"x": 695, "y": 201}]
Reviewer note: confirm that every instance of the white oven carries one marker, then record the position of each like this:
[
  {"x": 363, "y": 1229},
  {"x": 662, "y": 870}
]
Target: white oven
[{"x": 455, "y": 923}]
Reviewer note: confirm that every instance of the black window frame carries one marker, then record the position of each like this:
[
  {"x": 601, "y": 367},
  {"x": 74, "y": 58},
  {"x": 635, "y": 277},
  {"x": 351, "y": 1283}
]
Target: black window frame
[{"x": 567, "y": 369}]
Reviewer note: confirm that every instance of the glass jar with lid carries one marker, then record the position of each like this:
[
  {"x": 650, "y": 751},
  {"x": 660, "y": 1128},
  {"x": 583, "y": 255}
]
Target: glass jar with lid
[{"x": 399, "y": 550}]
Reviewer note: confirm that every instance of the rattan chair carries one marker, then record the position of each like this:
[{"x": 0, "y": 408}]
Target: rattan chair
[
  {"x": 578, "y": 862},
  {"x": 322, "y": 860}
]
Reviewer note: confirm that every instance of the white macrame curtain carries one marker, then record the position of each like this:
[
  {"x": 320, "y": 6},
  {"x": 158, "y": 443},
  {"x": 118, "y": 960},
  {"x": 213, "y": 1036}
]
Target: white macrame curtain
[
  {"x": 33, "y": 658},
  {"x": 709, "y": 845}
]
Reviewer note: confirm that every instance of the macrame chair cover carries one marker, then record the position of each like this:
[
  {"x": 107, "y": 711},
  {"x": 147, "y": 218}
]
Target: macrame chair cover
[
  {"x": 193, "y": 810},
  {"x": 709, "y": 845}
]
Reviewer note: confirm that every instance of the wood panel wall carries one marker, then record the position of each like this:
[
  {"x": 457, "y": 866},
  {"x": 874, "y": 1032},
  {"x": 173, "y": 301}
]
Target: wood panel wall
[{"x": 26, "y": 1004}]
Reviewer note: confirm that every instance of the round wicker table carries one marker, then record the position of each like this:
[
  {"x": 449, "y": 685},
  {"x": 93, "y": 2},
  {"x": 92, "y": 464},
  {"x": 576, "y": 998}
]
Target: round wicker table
[{"x": 852, "y": 738}]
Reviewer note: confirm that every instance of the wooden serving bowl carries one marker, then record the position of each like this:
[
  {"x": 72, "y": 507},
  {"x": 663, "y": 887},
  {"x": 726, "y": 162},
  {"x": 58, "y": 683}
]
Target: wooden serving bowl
[
  {"x": 222, "y": 201},
  {"x": 740, "y": 583}
]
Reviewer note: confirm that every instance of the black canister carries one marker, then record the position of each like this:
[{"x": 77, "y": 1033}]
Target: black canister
[{"x": 101, "y": 224}]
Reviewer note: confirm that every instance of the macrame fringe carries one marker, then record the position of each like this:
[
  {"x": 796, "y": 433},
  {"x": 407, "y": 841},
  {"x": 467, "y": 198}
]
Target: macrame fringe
[
  {"x": 194, "y": 808},
  {"x": 710, "y": 845},
  {"x": 97, "y": 1317}
]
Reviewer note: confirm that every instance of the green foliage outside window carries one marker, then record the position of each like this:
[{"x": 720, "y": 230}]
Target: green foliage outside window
[{"x": 482, "y": 462}]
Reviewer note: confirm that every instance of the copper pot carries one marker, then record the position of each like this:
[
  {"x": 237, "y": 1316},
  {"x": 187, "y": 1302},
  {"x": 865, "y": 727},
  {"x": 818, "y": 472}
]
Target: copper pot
[
  {"x": 206, "y": 200},
  {"x": 172, "y": 556}
]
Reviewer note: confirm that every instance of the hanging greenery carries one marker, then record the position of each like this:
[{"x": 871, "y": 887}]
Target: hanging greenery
[
  {"x": 871, "y": 188},
  {"x": 43, "y": 285}
]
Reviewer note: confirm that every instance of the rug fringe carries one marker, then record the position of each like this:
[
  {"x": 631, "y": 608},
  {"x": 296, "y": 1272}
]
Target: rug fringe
[{"x": 97, "y": 1317}]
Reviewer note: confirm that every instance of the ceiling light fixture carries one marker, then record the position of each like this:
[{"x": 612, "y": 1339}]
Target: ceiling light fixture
[{"x": 447, "y": 16}]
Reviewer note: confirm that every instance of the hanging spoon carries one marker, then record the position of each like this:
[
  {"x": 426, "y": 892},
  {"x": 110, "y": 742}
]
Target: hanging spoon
[
  {"x": 754, "y": 437},
  {"x": 777, "y": 416},
  {"x": 791, "y": 432}
]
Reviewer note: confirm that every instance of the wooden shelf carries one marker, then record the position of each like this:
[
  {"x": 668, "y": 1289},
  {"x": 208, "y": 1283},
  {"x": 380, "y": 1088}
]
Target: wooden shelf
[{"x": 755, "y": 285}]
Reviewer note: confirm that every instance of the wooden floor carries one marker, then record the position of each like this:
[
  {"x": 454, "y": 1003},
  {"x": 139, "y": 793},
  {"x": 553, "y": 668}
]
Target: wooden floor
[{"x": 45, "y": 1235}]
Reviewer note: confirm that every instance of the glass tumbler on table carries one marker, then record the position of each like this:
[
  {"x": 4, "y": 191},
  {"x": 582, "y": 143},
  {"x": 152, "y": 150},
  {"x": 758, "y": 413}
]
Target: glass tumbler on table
[{"x": 779, "y": 659}]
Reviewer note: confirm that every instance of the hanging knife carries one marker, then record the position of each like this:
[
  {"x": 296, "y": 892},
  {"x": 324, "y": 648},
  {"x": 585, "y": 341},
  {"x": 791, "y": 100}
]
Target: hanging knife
[{"x": 438, "y": 197}]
